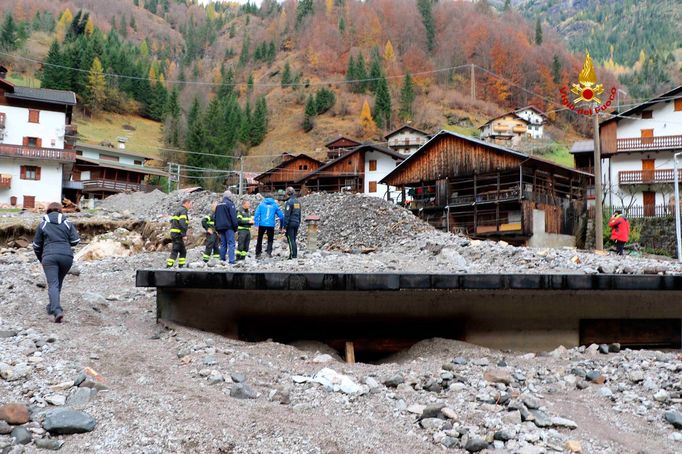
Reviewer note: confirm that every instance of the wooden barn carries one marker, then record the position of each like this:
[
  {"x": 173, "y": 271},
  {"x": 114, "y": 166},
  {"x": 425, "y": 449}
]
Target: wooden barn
[
  {"x": 340, "y": 146},
  {"x": 463, "y": 184},
  {"x": 287, "y": 172}
]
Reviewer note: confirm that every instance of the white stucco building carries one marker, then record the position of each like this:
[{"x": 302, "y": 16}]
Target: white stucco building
[
  {"x": 637, "y": 148},
  {"x": 511, "y": 127},
  {"x": 406, "y": 139},
  {"x": 35, "y": 144},
  {"x": 536, "y": 121}
]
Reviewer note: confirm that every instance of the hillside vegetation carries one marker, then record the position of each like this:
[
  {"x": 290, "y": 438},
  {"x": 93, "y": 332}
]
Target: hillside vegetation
[{"x": 228, "y": 80}]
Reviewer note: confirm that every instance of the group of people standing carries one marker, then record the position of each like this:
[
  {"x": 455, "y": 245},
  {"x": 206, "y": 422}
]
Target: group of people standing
[{"x": 228, "y": 229}]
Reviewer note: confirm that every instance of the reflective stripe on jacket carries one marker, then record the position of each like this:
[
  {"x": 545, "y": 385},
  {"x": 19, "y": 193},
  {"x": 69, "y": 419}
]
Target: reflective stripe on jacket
[
  {"x": 180, "y": 221},
  {"x": 244, "y": 219}
]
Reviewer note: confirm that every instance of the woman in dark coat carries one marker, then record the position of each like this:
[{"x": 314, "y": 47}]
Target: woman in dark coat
[{"x": 52, "y": 244}]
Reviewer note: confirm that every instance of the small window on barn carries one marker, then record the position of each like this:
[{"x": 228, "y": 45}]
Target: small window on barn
[
  {"x": 372, "y": 165},
  {"x": 300, "y": 167},
  {"x": 647, "y": 114},
  {"x": 137, "y": 163},
  {"x": 305, "y": 166},
  {"x": 372, "y": 186},
  {"x": 106, "y": 157},
  {"x": 33, "y": 116},
  {"x": 29, "y": 173},
  {"x": 678, "y": 105}
]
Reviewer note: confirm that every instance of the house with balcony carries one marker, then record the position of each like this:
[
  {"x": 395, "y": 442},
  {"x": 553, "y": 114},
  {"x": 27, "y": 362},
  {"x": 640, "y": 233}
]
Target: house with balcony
[
  {"x": 406, "y": 139},
  {"x": 637, "y": 148},
  {"x": 100, "y": 171},
  {"x": 510, "y": 128},
  {"x": 36, "y": 144},
  {"x": 288, "y": 169},
  {"x": 339, "y": 146}
]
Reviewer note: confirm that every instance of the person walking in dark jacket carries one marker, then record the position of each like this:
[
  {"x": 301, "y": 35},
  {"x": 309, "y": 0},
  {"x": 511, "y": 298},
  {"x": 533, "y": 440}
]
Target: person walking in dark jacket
[
  {"x": 212, "y": 241},
  {"x": 178, "y": 231},
  {"x": 292, "y": 220},
  {"x": 226, "y": 225},
  {"x": 264, "y": 219},
  {"x": 52, "y": 245},
  {"x": 245, "y": 221}
]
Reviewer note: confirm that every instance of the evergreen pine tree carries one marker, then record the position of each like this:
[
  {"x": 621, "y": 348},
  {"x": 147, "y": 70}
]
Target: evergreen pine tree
[
  {"x": 407, "y": 97},
  {"x": 324, "y": 100},
  {"x": 96, "y": 87},
  {"x": 286, "y": 75},
  {"x": 260, "y": 122},
  {"x": 361, "y": 75},
  {"x": 9, "y": 36},
  {"x": 303, "y": 9},
  {"x": 309, "y": 115},
  {"x": 351, "y": 74},
  {"x": 249, "y": 84},
  {"x": 382, "y": 104},
  {"x": 375, "y": 71},
  {"x": 53, "y": 76},
  {"x": 246, "y": 124},
  {"x": 272, "y": 52},
  {"x": 556, "y": 69},
  {"x": 507, "y": 5},
  {"x": 538, "y": 32},
  {"x": 227, "y": 83},
  {"x": 172, "y": 124},
  {"x": 196, "y": 135},
  {"x": 425, "y": 7},
  {"x": 342, "y": 25},
  {"x": 244, "y": 55}
]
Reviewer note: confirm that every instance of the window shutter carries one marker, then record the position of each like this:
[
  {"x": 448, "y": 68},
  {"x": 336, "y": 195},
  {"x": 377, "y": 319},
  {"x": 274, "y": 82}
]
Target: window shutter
[
  {"x": 25, "y": 141},
  {"x": 39, "y": 142},
  {"x": 37, "y": 173},
  {"x": 22, "y": 171}
]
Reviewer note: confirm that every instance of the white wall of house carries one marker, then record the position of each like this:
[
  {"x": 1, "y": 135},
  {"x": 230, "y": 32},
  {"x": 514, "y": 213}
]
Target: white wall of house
[
  {"x": 535, "y": 120},
  {"x": 385, "y": 164},
  {"x": 47, "y": 189},
  {"x": 122, "y": 158},
  {"x": 407, "y": 141},
  {"x": 633, "y": 161},
  {"x": 665, "y": 122},
  {"x": 50, "y": 127}
]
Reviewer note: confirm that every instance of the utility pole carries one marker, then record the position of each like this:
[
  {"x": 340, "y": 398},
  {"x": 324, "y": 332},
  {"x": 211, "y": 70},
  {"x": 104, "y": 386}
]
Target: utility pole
[
  {"x": 241, "y": 175},
  {"x": 177, "y": 188},
  {"x": 598, "y": 209},
  {"x": 678, "y": 229},
  {"x": 473, "y": 84},
  {"x": 170, "y": 164}
]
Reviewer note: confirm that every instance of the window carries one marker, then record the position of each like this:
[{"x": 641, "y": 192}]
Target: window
[
  {"x": 678, "y": 105},
  {"x": 137, "y": 163},
  {"x": 106, "y": 157},
  {"x": 372, "y": 165},
  {"x": 29, "y": 173},
  {"x": 33, "y": 142},
  {"x": 305, "y": 167},
  {"x": 29, "y": 201},
  {"x": 647, "y": 114},
  {"x": 372, "y": 186},
  {"x": 33, "y": 116}
]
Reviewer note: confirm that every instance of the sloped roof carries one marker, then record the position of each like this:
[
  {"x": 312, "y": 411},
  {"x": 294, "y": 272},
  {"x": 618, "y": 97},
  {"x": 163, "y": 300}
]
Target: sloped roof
[
  {"x": 123, "y": 166},
  {"x": 63, "y": 97},
  {"x": 283, "y": 163},
  {"x": 518, "y": 154},
  {"x": 396, "y": 131},
  {"x": 121, "y": 151},
  {"x": 337, "y": 138},
  {"x": 639, "y": 107},
  {"x": 538, "y": 111},
  {"x": 583, "y": 146},
  {"x": 513, "y": 112},
  {"x": 373, "y": 146}
]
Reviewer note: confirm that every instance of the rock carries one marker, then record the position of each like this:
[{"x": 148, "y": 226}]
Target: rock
[
  {"x": 582, "y": 384},
  {"x": 4, "y": 334},
  {"x": 15, "y": 373},
  {"x": 614, "y": 348},
  {"x": 281, "y": 395},
  {"x": 541, "y": 418},
  {"x": 55, "y": 399},
  {"x": 416, "y": 409},
  {"x": 482, "y": 362},
  {"x": 449, "y": 413},
  {"x": 324, "y": 358},
  {"x": 564, "y": 422},
  {"x": 432, "y": 411},
  {"x": 80, "y": 397},
  {"x": 210, "y": 360},
  {"x": 14, "y": 413},
  {"x": 503, "y": 435},
  {"x": 605, "y": 391},
  {"x": 373, "y": 384},
  {"x": 674, "y": 418},
  {"x": 573, "y": 446},
  {"x": 661, "y": 396},
  {"x": 5, "y": 428},
  {"x": 449, "y": 442},
  {"x": 459, "y": 361},
  {"x": 21, "y": 436},
  {"x": 335, "y": 381},
  {"x": 238, "y": 377},
  {"x": 475, "y": 444},
  {"x": 636, "y": 376},
  {"x": 49, "y": 443},
  {"x": 394, "y": 381},
  {"x": 94, "y": 299},
  {"x": 215, "y": 377},
  {"x": 497, "y": 376},
  {"x": 603, "y": 349},
  {"x": 531, "y": 402},
  {"x": 242, "y": 391},
  {"x": 432, "y": 423},
  {"x": 64, "y": 421},
  {"x": 558, "y": 352},
  {"x": 595, "y": 377}
]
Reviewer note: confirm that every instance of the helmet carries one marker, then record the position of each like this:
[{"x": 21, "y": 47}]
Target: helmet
[{"x": 290, "y": 191}]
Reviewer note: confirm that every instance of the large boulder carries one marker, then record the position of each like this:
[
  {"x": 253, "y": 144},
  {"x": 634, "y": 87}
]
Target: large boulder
[{"x": 119, "y": 243}]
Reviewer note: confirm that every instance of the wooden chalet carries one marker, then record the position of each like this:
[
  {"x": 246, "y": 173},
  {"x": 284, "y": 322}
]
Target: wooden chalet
[
  {"x": 349, "y": 171},
  {"x": 287, "y": 172},
  {"x": 340, "y": 146},
  {"x": 462, "y": 184}
]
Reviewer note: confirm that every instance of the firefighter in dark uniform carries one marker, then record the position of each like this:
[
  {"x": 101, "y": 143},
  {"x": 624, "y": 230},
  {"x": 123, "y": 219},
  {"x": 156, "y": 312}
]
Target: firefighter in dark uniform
[
  {"x": 292, "y": 220},
  {"x": 179, "y": 226},
  {"x": 244, "y": 222},
  {"x": 212, "y": 239}
]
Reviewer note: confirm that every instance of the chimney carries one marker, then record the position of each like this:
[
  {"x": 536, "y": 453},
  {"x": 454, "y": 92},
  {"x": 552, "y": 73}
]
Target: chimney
[
  {"x": 3, "y": 72},
  {"x": 122, "y": 142}
]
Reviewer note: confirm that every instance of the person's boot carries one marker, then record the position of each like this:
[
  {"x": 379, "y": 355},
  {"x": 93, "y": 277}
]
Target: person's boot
[{"x": 58, "y": 318}]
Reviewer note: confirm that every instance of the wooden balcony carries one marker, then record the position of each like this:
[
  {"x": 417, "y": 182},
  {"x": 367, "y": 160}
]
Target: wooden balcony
[
  {"x": 5, "y": 181},
  {"x": 20, "y": 151},
  {"x": 648, "y": 176},
  {"x": 649, "y": 143},
  {"x": 102, "y": 185}
]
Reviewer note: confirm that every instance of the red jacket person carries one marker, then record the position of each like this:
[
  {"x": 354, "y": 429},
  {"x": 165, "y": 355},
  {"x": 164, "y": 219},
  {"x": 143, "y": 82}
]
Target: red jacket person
[{"x": 620, "y": 230}]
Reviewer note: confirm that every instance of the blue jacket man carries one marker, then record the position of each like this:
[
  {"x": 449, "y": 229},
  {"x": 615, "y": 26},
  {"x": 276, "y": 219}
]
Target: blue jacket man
[
  {"x": 226, "y": 225},
  {"x": 264, "y": 219}
]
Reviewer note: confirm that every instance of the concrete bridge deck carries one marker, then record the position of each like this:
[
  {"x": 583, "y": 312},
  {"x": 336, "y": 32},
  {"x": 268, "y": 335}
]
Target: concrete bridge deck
[{"x": 389, "y": 310}]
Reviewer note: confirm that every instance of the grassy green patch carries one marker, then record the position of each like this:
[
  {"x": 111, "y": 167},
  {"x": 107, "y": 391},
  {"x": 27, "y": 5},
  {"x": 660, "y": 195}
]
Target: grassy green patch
[
  {"x": 560, "y": 154},
  {"x": 10, "y": 210},
  {"x": 471, "y": 132},
  {"x": 23, "y": 81},
  {"x": 143, "y": 135}
]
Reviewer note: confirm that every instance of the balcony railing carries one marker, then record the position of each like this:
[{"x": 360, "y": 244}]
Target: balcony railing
[
  {"x": 650, "y": 211},
  {"x": 5, "y": 181},
  {"x": 649, "y": 143},
  {"x": 20, "y": 151},
  {"x": 115, "y": 186},
  {"x": 406, "y": 142},
  {"x": 647, "y": 176}
]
